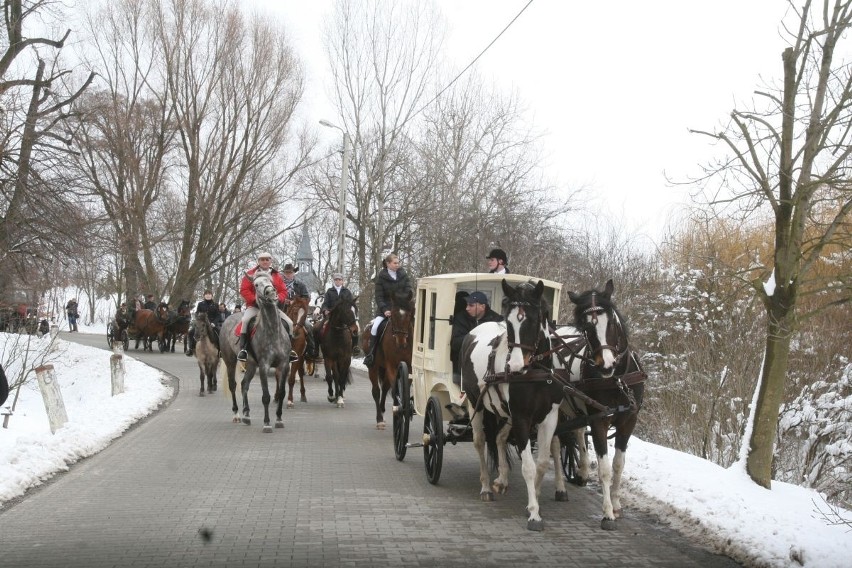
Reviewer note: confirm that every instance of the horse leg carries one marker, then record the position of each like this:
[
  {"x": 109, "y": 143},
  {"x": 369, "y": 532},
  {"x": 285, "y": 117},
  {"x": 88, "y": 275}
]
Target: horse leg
[
  {"x": 485, "y": 493},
  {"x": 291, "y": 382},
  {"x": 380, "y": 419},
  {"x": 244, "y": 387},
  {"x": 327, "y": 364},
  {"x": 555, "y": 455},
  {"x": 232, "y": 386},
  {"x": 546, "y": 430},
  {"x": 529, "y": 469},
  {"x": 301, "y": 371},
  {"x": 201, "y": 378},
  {"x": 599, "y": 431},
  {"x": 501, "y": 482},
  {"x": 265, "y": 398},
  {"x": 280, "y": 373}
]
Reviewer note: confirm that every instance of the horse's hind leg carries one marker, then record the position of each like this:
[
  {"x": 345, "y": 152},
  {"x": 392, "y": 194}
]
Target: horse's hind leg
[
  {"x": 501, "y": 482},
  {"x": 265, "y": 398},
  {"x": 301, "y": 371},
  {"x": 279, "y": 379},
  {"x": 232, "y": 386},
  {"x": 201, "y": 378},
  {"x": 556, "y": 456},
  {"x": 485, "y": 493},
  {"x": 380, "y": 418}
]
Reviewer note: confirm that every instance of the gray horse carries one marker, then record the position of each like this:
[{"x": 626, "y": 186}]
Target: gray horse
[
  {"x": 269, "y": 347},
  {"x": 206, "y": 352}
]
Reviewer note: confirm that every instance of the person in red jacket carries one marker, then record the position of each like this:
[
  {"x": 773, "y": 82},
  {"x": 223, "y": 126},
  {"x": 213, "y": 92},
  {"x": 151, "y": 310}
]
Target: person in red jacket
[{"x": 264, "y": 262}]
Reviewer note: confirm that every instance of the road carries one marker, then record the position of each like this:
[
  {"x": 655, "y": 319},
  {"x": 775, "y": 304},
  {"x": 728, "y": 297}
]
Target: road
[{"x": 187, "y": 487}]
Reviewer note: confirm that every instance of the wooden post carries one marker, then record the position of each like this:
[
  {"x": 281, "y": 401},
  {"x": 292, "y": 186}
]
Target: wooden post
[
  {"x": 116, "y": 365},
  {"x": 53, "y": 403}
]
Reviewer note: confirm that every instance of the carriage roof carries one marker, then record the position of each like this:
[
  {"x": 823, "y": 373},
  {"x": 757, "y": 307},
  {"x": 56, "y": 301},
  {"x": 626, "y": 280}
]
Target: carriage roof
[{"x": 435, "y": 303}]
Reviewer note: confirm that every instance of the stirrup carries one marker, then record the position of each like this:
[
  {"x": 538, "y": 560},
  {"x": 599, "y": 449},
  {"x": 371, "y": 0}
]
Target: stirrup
[
  {"x": 242, "y": 355},
  {"x": 293, "y": 356}
]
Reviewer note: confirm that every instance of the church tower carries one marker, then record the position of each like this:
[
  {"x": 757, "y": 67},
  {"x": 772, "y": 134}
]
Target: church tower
[{"x": 305, "y": 262}]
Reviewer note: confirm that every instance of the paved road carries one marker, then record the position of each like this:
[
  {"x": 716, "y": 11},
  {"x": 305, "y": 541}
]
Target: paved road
[{"x": 189, "y": 488}]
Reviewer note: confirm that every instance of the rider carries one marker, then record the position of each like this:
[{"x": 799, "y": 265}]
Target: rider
[
  {"x": 264, "y": 262},
  {"x": 391, "y": 280},
  {"x": 150, "y": 304},
  {"x": 206, "y": 306},
  {"x": 336, "y": 293},
  {"x": 297, "y": 289},
  {"x": 497, "y": 261}
]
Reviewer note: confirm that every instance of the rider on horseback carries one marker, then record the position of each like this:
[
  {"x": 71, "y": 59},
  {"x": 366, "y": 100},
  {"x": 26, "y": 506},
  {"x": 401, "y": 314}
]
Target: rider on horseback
[
  {"x": 297, "y": 289},
  {"x": 391, "y": 280},
  {"x": 207, "y": 306},
  {"x": 264, "y": 262}
]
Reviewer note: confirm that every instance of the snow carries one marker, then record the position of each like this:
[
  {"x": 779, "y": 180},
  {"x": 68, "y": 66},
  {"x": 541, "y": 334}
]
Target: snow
[{"x": 787, "y": 526}]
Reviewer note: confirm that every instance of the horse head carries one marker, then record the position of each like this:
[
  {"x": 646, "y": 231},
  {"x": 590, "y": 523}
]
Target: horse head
[
  {"x": 184, "y": 309},
  {"x": 162, "y": 312},
  {"x": 298, "y": 310},
  {"x": 524, "y": 310},
  {"x": 596, "y": 317},
  {"x": 402, "y": 318},
  {"x": 264, "y": 289},
  {"x": 202, "y": 326}
]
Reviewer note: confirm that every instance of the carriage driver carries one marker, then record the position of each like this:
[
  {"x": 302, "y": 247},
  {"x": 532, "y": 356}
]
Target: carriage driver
[
  {"x": 476, "y": 312},
  {"x": 391, "y": 280},
  {"x": 205, "y": 306},
  {"x": 264, "y": 262}
]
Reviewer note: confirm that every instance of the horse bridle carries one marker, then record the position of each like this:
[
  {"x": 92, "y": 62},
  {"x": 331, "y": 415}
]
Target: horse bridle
[
  {"x": 594, "y": 310},
  {"x": 522, "y": 314}
]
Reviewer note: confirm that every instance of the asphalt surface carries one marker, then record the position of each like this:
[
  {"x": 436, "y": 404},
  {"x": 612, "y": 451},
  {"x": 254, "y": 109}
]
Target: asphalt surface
[{"x": 187, "y": 487}]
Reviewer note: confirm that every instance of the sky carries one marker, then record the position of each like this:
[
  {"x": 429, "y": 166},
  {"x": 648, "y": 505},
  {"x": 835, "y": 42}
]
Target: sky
[
  {"x": 719, "y": 508},
  {"x": 613, "y": 86}
]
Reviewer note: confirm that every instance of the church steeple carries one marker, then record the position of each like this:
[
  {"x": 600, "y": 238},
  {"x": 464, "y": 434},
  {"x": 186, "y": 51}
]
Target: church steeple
[{"x": 305, "y": 262}]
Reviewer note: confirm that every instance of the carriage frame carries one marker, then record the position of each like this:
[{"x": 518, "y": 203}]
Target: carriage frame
[{"x": 428, "y": 389}]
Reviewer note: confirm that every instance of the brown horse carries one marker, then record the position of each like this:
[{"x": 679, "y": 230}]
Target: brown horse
[
  {"x": 149, "y": 323},
  {"x": 393, "y": 349},
  {"x": 178, "y": 325},
  {"x": 298, "y": 312},
  {"x": 336, "y": 345}
]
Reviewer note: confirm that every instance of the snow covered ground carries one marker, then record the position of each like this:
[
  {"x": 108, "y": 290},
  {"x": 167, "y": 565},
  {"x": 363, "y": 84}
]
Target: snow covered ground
[{"x": 786, "y": 527}]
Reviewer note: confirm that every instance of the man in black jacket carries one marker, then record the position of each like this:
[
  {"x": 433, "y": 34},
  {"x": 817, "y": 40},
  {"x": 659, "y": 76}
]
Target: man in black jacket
[
  {"x": 298, "y": 289},
  {"x": 206, "y": 306},
  {"x": 478, "y": 311}
]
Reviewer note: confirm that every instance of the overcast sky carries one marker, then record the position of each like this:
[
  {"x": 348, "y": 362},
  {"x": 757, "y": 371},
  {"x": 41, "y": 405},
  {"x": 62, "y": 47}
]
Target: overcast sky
[{"x": 614, "y": 86}]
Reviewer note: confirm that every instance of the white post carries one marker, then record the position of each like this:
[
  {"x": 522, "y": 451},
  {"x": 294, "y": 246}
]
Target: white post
[
  {"x": 53, "y": 403},
  {"x": 116, "y": 365}
]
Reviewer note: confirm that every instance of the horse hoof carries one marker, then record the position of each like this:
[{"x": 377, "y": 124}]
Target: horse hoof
[
  {"x": 561, "y": 496},
  {"x": 331, "y": 399},
  {"x": 487, "y": 497},
  {"x": 236, "y": 420},
  {"x": 380, "y": 425},
  {"x": 533, "y": 525},
  {"x": 304, "y": 398},
  {"x": 608, "y": 524},
  {"x": 290, "y": 404},
  {"x": 279, "y": 424},
  {"x": 340, "y": 404},
  {"x": 500, "y": 489},
  {"x": 267, "y": 429},
  {"x": 246, "y": 420}
]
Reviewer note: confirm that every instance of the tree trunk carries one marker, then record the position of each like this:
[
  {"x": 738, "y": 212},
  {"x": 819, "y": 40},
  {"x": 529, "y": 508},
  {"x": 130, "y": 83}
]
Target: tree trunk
[{"x": 771, "y": 392}]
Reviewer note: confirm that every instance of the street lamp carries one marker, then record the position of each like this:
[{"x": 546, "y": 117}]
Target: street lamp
[{"x": 344, "y": 174}]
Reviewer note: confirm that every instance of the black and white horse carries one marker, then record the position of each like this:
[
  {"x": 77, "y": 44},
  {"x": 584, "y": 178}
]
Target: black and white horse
[
  {"x": 605, "y": 385},
  {"x": 504, "y": 400}
]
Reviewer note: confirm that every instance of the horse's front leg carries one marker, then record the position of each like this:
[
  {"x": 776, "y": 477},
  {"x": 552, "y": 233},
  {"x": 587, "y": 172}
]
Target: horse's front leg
[
  {"x": 244, "y": 387},
  {"x": 232, "y": 386},
  {"x": 529, "y": 468},
  {"x": 280, "y": 374},
  {"x": 556, "y": 456},
  {"x": 485, "y": 493},
  {"x": 201, "y": 377},
  {"x": 291, "y": 380},
  {"x": 377, "y": 398},
  {"x": 546, "y": 430},
  {"x": 599, "y": 431},
  {"x": 265, "y": 398},
  {"x": 301, "y": 370},
  {"x": 501, "y": 482}
]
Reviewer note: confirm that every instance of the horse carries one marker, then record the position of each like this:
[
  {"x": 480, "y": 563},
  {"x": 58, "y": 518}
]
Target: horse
[
  {"x": 298, "y": 312},
  {"x": 269, "y": 347},
  {"x": 146, "y": 324},
  {"x": 178, "y": 325},
  {"x": 394, "y": 346},
  {"x": 336, "y": 345},
  {"x": 206, "y": 352},
  {"x": 504, "y": 401},
  {"x": 605, "y": 382}
]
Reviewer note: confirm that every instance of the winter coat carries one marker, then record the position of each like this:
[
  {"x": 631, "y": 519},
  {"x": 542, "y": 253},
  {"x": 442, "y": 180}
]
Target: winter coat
[
  {"x": 247, "y": 287},
  {"x": 332, "y": 297},
  {"x": 296, "y": 289},
  {"x": 71, "y": 309},
  {"x": 210, "y": 308},
  {"x": 462, "y": 325},
  {"x": 387, "y": 287}
]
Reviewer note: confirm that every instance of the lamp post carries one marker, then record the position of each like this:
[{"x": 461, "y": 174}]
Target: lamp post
[{"x": 344, "y": 174}]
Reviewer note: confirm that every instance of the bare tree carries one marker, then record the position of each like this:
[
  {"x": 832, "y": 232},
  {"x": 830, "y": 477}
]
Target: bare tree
[
  {"x": 35, "y": 94},
  {"x": 792, "y": 159}
]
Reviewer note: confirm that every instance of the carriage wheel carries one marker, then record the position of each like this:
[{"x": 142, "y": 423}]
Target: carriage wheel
[
  {"x": 570, "y": 454},
  {"x": 433, "y": 439},
  {"x": 402, "y": 417}
]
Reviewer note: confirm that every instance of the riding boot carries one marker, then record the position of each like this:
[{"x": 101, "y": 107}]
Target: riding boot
[
  {"x": 191, "y": 340},
  {"x": 243, "y": 354},
  {"x": 368, "y": 359}
]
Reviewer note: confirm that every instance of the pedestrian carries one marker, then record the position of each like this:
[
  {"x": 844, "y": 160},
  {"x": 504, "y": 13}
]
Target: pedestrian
[{"x": 71, "y": 312}]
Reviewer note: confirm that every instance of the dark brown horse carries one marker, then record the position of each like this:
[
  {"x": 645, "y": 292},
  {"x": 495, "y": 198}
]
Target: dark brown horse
[
  {"x": 336, "y": 345},
  {"x": 178, "y": 325},
  {"x": 392, "y": 349},
  {"x": 297, "y": 312},
  {"x": 148, "y": 324}
]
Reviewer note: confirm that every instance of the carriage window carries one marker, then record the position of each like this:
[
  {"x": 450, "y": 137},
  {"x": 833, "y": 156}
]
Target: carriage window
[
  {"x": 421, "y": 306},
  {"x": 434, "y": 298}
]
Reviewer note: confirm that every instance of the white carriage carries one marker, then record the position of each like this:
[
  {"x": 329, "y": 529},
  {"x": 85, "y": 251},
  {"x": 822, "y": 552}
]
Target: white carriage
[{"x": 432, "y": 393}]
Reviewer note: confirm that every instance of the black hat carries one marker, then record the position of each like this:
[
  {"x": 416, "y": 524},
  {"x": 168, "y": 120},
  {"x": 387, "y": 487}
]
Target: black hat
[
  {"x": 499, "y": 254},
  {"x": 289, "y": 266}
]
